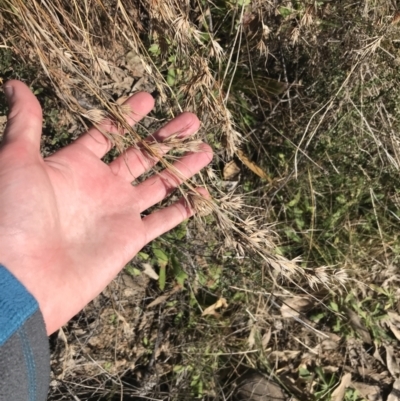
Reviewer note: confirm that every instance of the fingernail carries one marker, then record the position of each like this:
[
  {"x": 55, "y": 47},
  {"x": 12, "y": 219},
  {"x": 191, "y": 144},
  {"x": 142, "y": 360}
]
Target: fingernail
[{"x": 9, "y": 91}]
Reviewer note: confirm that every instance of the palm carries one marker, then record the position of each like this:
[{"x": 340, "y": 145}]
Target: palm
[{"x": 73, "y": 222}]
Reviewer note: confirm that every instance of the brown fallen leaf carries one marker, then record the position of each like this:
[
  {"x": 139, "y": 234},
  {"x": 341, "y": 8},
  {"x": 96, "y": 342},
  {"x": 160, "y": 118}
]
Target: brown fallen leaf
[
  {"x": 284, "y": 356},
  {"x": 231, "y": 170},
  {"x": 149, "y": 271},
  {"x": 396, "y": 18},
  {"x": 339, "y": 392},
  {"x": 395, "y": 393},
  {"x": 162, "y": 298},
  {"x": 377, "y": 354},
  {"x": 254, "y": 332},
  {"x": 266, "y": 338},
  {"x": 134, "y": 63},
  {"x": 367, "y": 391},
  {"x": 104, "y": 65},
  {"x": 253, "y": 166},
  {"x": 329, "y": 344},
  {"x": 331, "y": 369},
  {"x": 292, "y": 307},
  {"x": 394, "y": 324},
  {"x": 391, "y": 362},
  {"x": 212, "y": 310}
]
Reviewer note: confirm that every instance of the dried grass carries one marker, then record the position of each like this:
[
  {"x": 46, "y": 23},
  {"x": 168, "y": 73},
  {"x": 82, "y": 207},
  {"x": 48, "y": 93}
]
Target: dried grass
[
  {"x": 209, "y": 80},
  {"x": 73, "y": 43}
]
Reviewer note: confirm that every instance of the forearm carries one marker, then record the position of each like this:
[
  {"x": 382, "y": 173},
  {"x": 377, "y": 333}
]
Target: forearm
[{"x": 24, "y": 352}]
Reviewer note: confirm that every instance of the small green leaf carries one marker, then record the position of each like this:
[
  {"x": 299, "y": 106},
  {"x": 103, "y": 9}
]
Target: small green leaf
[
  {"x": 133, "y": 271},
  {"x": 300, "y": 223},
  {"x": 285, "y": 11},
  {"x": 334, "y": 306},
  {"x": 317, "y": 317},
  {"x": 154, "y": 49},
  {"x": 295, "y": 200},
  {"x": 162, "y": 257},
  {"x": 179, "y": 273},
  {"x": 38, "y": 91},
  {"x": 303, "y": 372},
  {"x": 181, "y": 231},
  {"x": 178, "y": 368},
  {"x": 239, "y": 296},
  {"x": 143, "y": 256},
  {"x": 162, "y": 278},
  {"x": 171, "y": 76}
]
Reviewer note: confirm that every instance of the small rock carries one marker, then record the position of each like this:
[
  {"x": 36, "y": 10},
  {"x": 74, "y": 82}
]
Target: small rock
[{"x": 255, "y": 387}]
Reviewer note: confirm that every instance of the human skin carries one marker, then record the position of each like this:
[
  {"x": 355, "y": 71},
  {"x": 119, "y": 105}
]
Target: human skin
[{"x": 69, "y": 222}]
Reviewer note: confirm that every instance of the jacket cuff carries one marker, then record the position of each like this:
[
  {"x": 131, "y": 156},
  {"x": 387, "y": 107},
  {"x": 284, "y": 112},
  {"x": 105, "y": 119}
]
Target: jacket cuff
[{"x": 24, "y": 348}]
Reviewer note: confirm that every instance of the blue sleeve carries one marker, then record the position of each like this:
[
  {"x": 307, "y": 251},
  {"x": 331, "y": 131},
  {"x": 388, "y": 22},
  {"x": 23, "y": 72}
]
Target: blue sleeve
[{"x": 24, "y": 350}]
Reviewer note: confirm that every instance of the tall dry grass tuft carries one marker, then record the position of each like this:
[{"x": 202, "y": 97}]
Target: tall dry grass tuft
[{"x": 75, "y": 44}]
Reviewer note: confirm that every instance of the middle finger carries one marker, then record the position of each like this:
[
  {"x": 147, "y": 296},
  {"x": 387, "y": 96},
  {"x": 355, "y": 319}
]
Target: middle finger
[{"x": 134, "y": 161}]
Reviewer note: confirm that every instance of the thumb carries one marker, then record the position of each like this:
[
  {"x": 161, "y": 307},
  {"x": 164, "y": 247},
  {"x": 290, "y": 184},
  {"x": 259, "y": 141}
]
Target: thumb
[{"x": 24, "y": 120}]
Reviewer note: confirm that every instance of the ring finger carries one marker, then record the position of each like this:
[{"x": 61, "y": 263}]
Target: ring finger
[{"x": 157, "y": 187}]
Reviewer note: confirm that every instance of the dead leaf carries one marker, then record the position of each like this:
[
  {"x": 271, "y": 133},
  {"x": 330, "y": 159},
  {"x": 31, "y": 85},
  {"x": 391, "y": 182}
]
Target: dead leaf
[
  {"x": 377, "y": 355},
  {"x": 395, "y": 393},
  {"x": 266, "y": 338},
  {"x": 357, "y": 324},
  {"x": 284, "y": 356},
  {"x": 368, "y": 392},
  {"x": 134, "y": 63},
  {"x": 252, "y": 336},
  {"x": 328, "y": 335},
  {"x": 231, "y": 170},
  {"x": 391, "y": 362},
  {"x": 253, "y": 166},
  {"x": 128, "y": 330},
  {"x": 229, "y": 186},
  {"x": 63, "y": 337},
  {"x": 394, "y": 324},
  {"x": 292, "y": 307},
  {"x": 149, "y": 271},
  {"x": 331, "y": 369},
  {"x": 340, "y": 390},
  {"x": 104, "y": 65},
  {"x": 329, "y": 344},
  {"x": 162, "y": 298},
  {"x": 211, "y": 310},
  {"x": 396, "y": 18}
]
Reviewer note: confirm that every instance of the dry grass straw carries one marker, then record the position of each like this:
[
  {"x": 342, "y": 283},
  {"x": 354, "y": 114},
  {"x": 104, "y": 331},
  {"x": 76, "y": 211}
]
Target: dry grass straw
[
  {"x": 73, "y": 43},
  {"x": 64, "y": 37}
]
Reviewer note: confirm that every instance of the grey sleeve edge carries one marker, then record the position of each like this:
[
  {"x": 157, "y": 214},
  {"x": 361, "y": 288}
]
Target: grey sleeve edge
[{"x": 25, "y": 362}]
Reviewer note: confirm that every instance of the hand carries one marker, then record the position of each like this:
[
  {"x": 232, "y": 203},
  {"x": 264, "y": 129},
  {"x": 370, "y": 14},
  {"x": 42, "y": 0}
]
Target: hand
[{"x": 69, "y": 223}]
